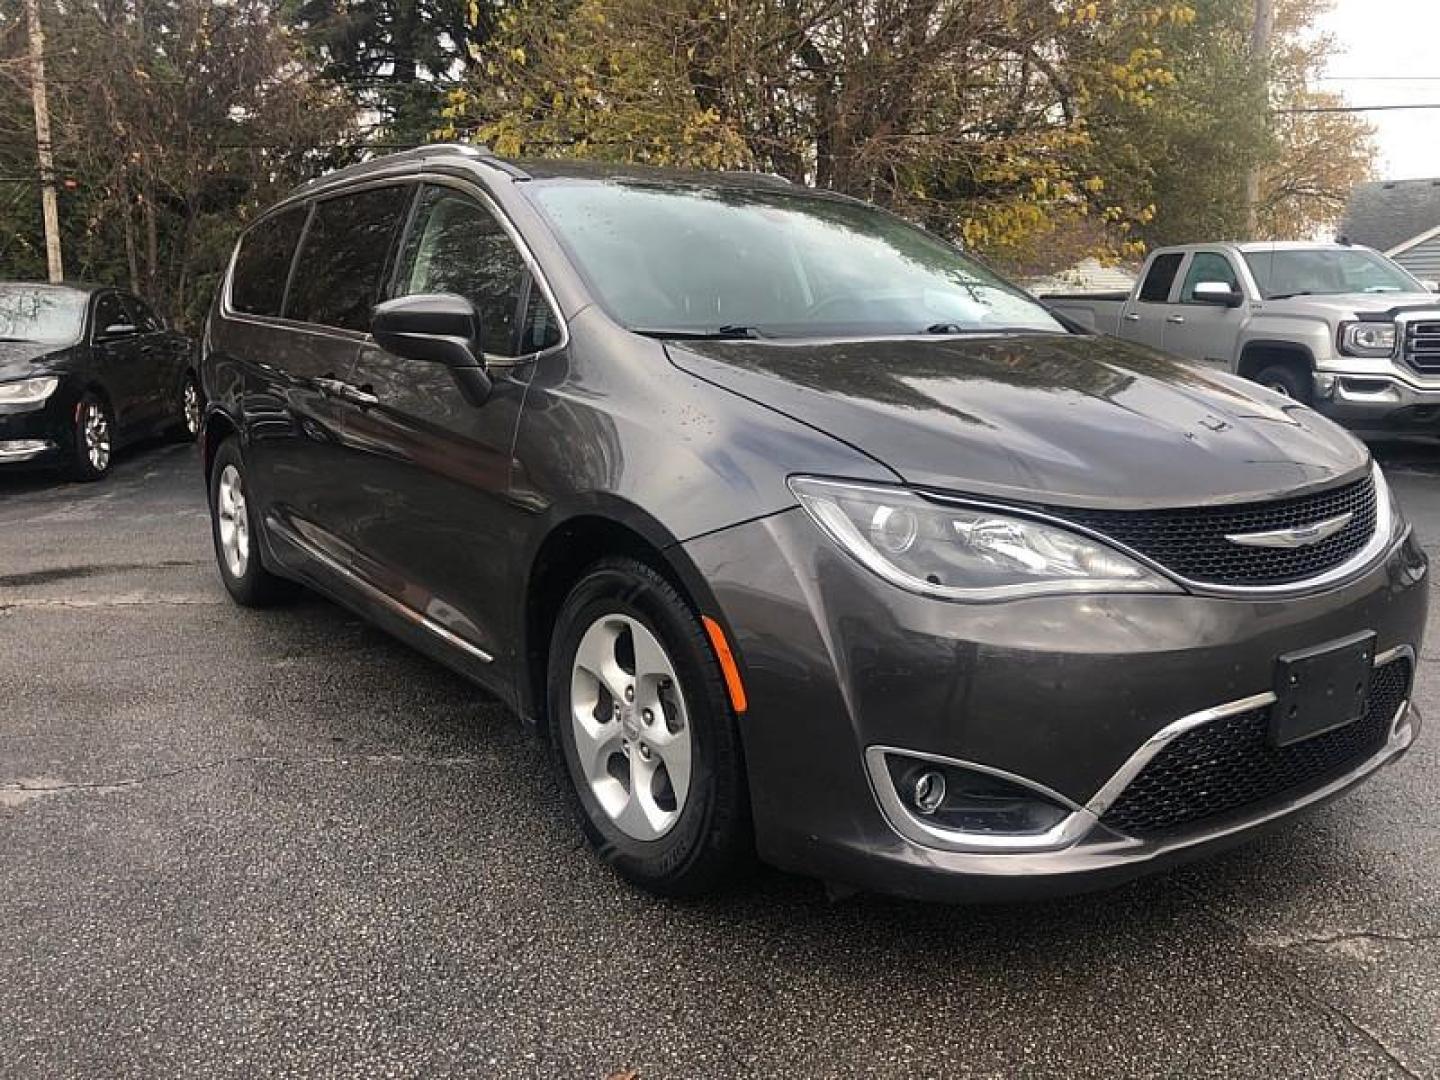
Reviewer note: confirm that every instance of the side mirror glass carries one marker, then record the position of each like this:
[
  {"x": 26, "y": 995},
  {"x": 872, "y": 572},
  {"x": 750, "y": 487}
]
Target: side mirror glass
[
  {"x": 439, "y": 328},
  {"x": 1216, "y": 292}
]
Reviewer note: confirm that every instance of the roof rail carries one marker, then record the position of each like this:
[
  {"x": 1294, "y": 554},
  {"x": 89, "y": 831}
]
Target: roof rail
[{"x": 399, "y": 157}]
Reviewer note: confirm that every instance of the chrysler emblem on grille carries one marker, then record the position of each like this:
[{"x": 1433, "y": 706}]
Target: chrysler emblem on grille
[{"x": 1298, "y": 537}]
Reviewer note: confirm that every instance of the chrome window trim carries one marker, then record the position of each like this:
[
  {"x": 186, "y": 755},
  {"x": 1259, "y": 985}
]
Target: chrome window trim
[
  {"x": 1380, "y": 544},
  {"x": 375, "y": 593},
  {"x": 1083, "y": 820},
  {"x": 467, "y": 187}
]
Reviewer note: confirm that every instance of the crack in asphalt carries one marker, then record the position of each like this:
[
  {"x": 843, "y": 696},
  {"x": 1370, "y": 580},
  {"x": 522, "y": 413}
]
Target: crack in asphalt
[
  {"x": 1300, "y": 989},
  {"x": 1345, "y": 936},
  {"x": 90, "y": 603}
]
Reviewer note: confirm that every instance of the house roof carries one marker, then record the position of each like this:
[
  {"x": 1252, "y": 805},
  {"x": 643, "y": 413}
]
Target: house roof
[{"x": 1389, "y": 214}]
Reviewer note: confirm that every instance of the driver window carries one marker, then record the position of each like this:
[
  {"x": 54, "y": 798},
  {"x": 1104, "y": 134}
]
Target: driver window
[
  {"x": 1208, "y": 266},
  {"x": 456, "y": 246},
  {"x": 109, "y": 311}
]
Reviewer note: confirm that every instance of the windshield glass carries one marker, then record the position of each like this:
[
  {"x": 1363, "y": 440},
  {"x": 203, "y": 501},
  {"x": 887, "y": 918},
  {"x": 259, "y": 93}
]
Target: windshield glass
[
  {"x": 40, "y": 313},
  {"x": 693, "y": 259},
  {"x": 1326, "y": 272}
]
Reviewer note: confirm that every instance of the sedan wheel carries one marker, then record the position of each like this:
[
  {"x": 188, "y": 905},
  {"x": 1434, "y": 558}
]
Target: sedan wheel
[
  {"x": 190, "y": 407},
  {"x": 93, "y": 441},
  {"x": 234, "y": 521},
  {"x": 632, "y": 736}
]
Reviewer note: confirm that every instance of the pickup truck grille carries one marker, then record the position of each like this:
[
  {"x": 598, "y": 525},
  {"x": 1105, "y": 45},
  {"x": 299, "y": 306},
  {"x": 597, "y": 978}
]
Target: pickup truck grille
[
  {"x": 1191, "y": 542},
  {"x": 1422, "y": 347}
]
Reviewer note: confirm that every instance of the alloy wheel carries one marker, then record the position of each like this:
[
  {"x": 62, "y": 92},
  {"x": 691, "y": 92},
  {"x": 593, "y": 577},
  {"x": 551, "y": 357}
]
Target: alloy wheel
[
  {"x": 95, "y": 430},
  {"x": 191, "y": 401},
  {"x": 234, "y": 521},
  {"x": 632, "y": 733}
]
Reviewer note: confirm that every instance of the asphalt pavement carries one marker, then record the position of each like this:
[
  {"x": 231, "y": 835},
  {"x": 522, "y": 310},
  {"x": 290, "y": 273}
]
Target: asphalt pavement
[{"x": 246, "y": 844}]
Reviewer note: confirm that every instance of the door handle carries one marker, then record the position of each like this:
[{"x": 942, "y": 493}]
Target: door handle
[
  {"x": 1177, "y": 319},
  {"x": 341, "y": 389},
  {"x": 1131, "y": 316}
]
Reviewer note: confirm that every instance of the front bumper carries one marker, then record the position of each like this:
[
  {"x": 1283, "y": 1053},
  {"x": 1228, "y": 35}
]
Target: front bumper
[
  {"x": 1064, "y": 692},
  {"x": 1378, "y": 402},
  {"x": 33, "y": 435}
]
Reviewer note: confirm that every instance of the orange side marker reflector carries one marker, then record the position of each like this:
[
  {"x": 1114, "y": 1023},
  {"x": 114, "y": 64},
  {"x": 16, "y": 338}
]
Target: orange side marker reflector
[{"x": 738, "y": 700}]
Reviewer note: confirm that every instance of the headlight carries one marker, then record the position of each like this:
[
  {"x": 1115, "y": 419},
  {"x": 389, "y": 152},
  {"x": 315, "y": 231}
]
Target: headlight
[
  {"x": 965, "y": 553},
  {"x": 1385, "y": 504},
  {"x": 1367, "y": 338},
  {"x": 28, "y": 391}
]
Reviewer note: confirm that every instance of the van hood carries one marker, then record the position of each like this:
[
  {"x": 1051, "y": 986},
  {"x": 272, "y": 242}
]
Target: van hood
[{"x": 1045, "y": 418}]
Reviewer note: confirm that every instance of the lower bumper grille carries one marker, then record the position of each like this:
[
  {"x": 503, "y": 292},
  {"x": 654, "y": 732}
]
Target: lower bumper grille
[{"x": 1229, "y": 765}]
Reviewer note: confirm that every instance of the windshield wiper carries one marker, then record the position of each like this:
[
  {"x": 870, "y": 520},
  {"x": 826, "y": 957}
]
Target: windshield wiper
[
  {"x": 957, "y": 328},
  {"x": 728, "y": 332},
  {"x": 1290, "y": 295}
]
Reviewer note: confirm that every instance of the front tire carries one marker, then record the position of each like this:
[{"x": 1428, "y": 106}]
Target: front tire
[
  {"x": 93, "y": 441},
  {"x": 641, "y": 728},
  {"x": 1285, "y": 380},
  {"x": 192, "y": 409},
  {"x": 234, "y": 525}
]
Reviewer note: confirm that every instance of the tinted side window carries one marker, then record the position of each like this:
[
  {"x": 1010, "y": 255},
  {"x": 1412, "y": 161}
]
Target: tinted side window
[
  {"x": 337, "y": 277},
  {"x": 456, "y": 246},
  {"x": 263, "y": 264},
  {"x": 1209, "y": 266},
  {"x": 109, "y": 312},
  {"x": 144, "y": 318},
  {"x": 1156, "y": 289}
]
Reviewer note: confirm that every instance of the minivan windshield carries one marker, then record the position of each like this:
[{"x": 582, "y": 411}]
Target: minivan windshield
[
  {"x": 41, "y": 313},
  {"x": 732, "y": 262},
  {"x": 1324, "y": 271}
]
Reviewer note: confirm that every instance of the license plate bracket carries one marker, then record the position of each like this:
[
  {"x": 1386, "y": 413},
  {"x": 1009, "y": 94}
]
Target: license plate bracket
[{"x": 1322, "y": 689}]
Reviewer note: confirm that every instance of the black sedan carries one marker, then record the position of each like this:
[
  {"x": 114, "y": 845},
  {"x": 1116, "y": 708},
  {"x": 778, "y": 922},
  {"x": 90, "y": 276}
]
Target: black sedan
[{"x": 85, "y": 370}]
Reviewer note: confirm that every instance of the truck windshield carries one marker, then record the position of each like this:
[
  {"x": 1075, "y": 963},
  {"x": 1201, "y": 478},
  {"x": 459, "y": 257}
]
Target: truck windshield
[
  {"x": 41, "y": 313},
  {"x": 722, "y": 262},
  {"x": 1326, "y": 272}
]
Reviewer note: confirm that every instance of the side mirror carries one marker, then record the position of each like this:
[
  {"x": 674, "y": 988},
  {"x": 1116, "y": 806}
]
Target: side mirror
[
  {"x": 118, "y": 330},
  {"x": 439, "y": 328},
  {"x": 1216, "y": 292},
  {"x": 1430, "y": 286}
]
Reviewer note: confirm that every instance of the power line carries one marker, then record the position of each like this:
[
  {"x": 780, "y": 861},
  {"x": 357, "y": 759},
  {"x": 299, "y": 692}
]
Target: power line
[{"x": 1354, "y": 108}]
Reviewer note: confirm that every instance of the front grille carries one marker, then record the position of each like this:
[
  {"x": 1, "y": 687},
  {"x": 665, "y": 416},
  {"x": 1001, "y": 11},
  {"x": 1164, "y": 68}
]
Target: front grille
[
  {"x": 1422, "y": 347},
  {"x": 1191, "y": 541},
  {"x": 1229, "y": 764}
]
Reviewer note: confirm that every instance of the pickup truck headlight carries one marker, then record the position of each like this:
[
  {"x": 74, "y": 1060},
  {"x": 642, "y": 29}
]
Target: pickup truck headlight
[
  {"x": 1367, "y": 339},
  {"x": 28, "y": 391},
  {"x": 963, "y": 552}
]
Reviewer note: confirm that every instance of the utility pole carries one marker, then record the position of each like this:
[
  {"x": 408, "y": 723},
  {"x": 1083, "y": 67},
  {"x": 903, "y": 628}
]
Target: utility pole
[
  {"x": 43, "y": 150},
  {"x": 1261, "y": 33}
]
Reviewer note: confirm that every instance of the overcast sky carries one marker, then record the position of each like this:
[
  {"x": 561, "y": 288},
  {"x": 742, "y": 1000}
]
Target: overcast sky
[{"x": 1385, "y": 53}]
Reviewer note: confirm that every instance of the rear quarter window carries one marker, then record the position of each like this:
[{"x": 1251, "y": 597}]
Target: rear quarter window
[
  {"x": 1156, "y": 289},
  {"x": 262, "y": 265}
]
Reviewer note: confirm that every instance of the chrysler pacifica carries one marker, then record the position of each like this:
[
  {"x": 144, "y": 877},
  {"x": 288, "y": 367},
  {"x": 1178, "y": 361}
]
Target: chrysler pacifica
[{"x": 797, "y": 532}]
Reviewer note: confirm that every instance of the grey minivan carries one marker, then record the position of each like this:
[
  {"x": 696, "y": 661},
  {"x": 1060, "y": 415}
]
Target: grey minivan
[{"x": 798, "y": 533}]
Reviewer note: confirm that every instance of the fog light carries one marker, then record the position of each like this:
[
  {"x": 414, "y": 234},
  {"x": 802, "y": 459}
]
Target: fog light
[
  {"x": 970, "y": 800},
  {"x": 929, "y": 792}
]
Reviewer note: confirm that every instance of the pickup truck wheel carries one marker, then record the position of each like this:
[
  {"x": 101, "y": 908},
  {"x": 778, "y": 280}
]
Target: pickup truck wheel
[{"x": 1286, "y": 380}]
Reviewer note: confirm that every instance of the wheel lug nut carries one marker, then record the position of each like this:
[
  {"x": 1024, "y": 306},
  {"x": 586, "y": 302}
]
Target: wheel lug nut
[
  {"x": 648, "y": 716},
  {"x": 645, "y": 751},
  {"x": 629, "y": 693}
]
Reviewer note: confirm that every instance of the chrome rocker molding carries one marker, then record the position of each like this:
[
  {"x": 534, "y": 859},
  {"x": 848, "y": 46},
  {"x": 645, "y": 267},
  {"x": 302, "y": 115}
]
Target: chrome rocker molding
[
  {"x": 1083, "y": 820},
  {"x": 380, "y": 596}
]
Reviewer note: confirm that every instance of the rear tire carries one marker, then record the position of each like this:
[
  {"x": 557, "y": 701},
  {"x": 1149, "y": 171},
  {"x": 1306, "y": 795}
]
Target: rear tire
[
  {"x": 655, "y": 769},
  {"x": 235, "y": 528},
  {"x": 1286, "y": 380},
  {"x": 93, "y": 440}
]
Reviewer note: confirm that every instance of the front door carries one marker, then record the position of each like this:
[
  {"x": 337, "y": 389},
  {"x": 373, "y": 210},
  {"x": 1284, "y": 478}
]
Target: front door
[
  {"x": 437, "y": 467},
  {"x": 1206, "y": 333},
  {"x": 118, "y": 354}
]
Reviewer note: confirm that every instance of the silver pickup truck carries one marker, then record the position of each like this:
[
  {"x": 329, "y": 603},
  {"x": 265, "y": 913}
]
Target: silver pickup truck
[{"x": 1340, "y": 328}]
